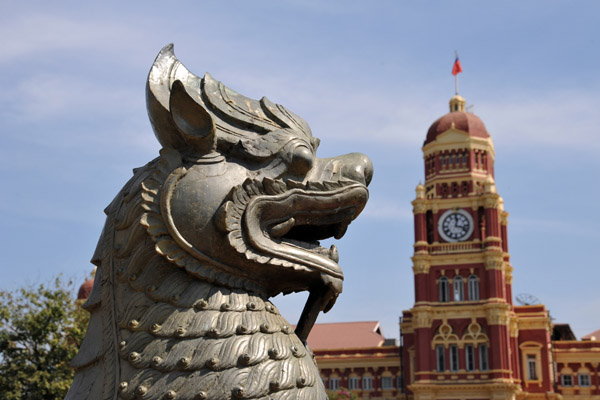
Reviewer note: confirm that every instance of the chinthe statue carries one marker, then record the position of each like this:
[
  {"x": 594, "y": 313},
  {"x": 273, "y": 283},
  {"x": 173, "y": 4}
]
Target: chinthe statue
[{"x": 194, "y": 245}]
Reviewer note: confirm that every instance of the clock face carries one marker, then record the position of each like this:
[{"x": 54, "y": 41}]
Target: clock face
[{"x": 455, "y": 225}]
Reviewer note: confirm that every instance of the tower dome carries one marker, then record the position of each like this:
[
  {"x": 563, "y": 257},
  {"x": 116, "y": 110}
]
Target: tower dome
[
  {"x": 457, "y": 119},
  {"x": 85, "y": 289}
]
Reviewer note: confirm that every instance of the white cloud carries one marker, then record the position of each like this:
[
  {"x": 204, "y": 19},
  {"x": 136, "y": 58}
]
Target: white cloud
[
  {"x": 47, "y": 96},
  {"x": 39, "y": 34},
  {"x": 561, "y": 119}
]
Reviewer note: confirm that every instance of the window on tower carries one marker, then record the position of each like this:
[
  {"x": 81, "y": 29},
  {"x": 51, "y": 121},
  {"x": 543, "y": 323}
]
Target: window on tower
[
  {"x": 444, "y": 189},
  {"x": 483, "y": 358},
  {"x": 465, "y": 188},
  {"x": 453, "y": 358},
  {"x": 454, "y": 188},
  {"x": 470, "y": 357},
  {"x": 444, "y": 288},
  {"x": 429, "y": 222},
  {"x": 532, "y": 367},
  {"x": 473, "y": 284},
  {"x": 440, "y": 357},
  {"x": 459, "y": 288}
]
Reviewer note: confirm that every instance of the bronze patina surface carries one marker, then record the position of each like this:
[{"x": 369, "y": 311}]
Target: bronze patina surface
[{"x": 194, "y": 245}]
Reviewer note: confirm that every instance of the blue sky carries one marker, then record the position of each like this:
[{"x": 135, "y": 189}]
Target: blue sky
[{"x": 367, "y": 76}]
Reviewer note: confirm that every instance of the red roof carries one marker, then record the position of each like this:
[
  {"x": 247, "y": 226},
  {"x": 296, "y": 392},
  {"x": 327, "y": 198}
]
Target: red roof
[
  {"x": 345, "y": 335},
  {"x": 592, "y": 336},
  {"x": 463, "y": 121}
]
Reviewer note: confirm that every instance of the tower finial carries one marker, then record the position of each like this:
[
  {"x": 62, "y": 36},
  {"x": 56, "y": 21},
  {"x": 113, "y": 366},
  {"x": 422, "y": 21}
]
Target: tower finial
[{"x": 457, "y": 103}]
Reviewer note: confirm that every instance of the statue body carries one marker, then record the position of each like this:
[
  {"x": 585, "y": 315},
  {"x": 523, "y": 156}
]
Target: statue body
[{"x": 195, "y": 244}]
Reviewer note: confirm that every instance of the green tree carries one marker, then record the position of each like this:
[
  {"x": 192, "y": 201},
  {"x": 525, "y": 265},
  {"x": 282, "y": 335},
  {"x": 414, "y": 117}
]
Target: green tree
[{"x": 41, "y": 329}]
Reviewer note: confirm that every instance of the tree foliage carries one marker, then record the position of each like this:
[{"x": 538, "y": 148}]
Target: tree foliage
[
  {"x": 341, "y": 394},
  {"x": 41, "y": 329}
]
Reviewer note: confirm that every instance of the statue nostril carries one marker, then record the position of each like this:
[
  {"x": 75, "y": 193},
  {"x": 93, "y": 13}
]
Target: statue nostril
[{"x": 358, "y": 167}]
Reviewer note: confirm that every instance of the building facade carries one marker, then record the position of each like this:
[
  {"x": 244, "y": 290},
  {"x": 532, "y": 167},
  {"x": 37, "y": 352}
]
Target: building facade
[
  {"x": 356, "y": 357},
  {"x": 464, "y": 338}
]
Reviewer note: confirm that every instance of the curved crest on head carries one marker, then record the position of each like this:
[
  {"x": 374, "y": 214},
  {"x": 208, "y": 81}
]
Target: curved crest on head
[{"x": 175, "y": 109}]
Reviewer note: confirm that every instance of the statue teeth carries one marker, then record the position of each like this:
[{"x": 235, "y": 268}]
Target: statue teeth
[
  {"x": 281, "y": 229},
  {"x": 333, "y": 253},
  {"x": 340, "y": 230}
]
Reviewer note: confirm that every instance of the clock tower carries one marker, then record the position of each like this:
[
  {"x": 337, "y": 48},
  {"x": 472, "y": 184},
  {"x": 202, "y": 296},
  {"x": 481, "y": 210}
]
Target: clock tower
[{"x": 460, "y": 338}]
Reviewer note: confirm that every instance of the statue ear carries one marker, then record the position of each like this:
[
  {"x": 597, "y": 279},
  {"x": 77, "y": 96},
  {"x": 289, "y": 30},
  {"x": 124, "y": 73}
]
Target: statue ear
[{"x": 191, "y": 119}]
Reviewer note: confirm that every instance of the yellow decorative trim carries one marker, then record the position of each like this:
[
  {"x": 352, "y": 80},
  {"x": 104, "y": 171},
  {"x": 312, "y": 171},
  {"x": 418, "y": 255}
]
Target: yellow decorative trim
[
  {"x": 513, "y": 327},
  {"x": 421, "y": 264},
  {"x": 445, "y": 336},
  {"x": 504, "y": 218},
  {"x": 508, "y": 273},
  {"x": 453, "y": 139},
  {"x": 439, "y": 203},
  {"x": 534, "y": 321},
  {"x": 421, "y": 317},
  {"x": 419, "y": 206},
  {"x": 494, "y": 260},
  {"x": 498, "y": 313},
  {"x": 492, "y": 200}
]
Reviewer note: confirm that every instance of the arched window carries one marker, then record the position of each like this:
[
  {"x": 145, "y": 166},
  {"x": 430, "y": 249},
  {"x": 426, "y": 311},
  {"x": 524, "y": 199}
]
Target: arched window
[
  {"x": 440, "y": 357},
  {"x": 532, "y": 367},
  {"x": 353, "y": 383},
  {"x": 470, "y": 357},
  {"x": 459, "y": 288},
  {"x": 444, "y": 289},
  {"x": 473, "y": 287},
  {"x": 334, "y": 383},
  {"x": 483, "y": 358},
  {"x": 566, "y": 380},
  {"x": 453, "y": 357},
  {"x": 583, "y": 378}
]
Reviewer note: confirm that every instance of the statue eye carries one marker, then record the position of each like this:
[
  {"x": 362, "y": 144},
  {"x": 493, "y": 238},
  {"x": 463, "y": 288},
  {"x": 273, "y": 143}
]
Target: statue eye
[{"x": 302, "y": 160}]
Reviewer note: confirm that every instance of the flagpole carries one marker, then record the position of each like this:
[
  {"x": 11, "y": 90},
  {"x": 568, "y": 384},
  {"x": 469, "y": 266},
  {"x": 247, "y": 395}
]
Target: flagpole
[{"x": 456, "y": 84}]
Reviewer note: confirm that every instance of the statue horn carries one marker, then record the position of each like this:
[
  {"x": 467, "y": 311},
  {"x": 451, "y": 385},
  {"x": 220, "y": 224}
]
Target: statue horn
[{"x": 179, "y": 121}]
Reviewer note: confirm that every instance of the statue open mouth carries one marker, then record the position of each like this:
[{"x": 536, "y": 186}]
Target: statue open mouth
[{"x": 281, "y": 223}]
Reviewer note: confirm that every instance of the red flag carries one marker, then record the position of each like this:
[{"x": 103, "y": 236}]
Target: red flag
[{"x": 457, "y": 68}]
